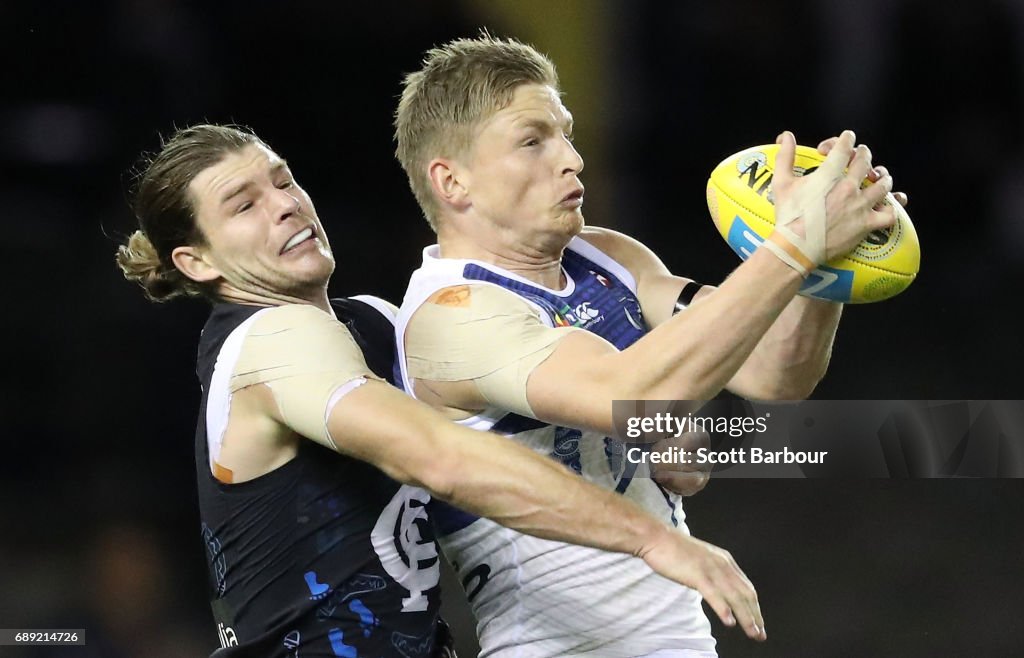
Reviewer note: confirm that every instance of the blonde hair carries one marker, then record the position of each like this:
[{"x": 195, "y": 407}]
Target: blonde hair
[
  {"x": 460, "y": 84},
  {"x": 140, "y": 263},
  {"x": 165, "y": 210}
]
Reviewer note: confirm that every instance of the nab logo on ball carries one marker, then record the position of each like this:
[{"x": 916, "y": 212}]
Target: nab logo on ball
[{"x": 739, "y": 196}]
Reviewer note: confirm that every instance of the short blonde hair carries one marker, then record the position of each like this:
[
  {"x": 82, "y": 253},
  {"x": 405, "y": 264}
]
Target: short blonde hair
[{"x": 461, "y": 84}]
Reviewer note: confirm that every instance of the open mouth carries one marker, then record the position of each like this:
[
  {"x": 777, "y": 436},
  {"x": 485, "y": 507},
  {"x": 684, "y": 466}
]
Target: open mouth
[{"x": 297, "y": 239}]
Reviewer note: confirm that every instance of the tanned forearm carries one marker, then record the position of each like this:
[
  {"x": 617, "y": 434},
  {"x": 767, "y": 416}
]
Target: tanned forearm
[
  {"x": 694, "y": 354},
  {"x": 793, "y": 355},
  {"x": 485, "y": 474},
  {"x": 494, "y": 477}
]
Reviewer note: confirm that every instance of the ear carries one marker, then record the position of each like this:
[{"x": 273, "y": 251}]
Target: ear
[
  {"x": 194, "y": 264},
  {"x": 448, "y": 181}
]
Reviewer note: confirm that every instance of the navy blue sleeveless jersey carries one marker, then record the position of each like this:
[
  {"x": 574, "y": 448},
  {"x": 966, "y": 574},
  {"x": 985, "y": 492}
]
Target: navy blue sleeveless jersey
[{"x": 293, "y": 572}]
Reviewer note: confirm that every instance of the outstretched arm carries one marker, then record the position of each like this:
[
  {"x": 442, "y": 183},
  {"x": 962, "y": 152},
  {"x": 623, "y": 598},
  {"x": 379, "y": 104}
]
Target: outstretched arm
[
  {"x": 494, "y": 477},
  {"x": 695, "y": 354},
  {"x": 301, "y": 376},
  {"x": 785, "y": 364},
  {"x": 793, "y": 354}
]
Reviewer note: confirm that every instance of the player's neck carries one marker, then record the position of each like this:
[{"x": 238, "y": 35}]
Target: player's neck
[
  {"x": 317, "y": 298},
  {"x": 540, "y": 263}
]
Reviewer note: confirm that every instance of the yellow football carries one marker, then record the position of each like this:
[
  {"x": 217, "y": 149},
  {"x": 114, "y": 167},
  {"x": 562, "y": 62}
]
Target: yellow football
[{"x": 741, "y": 204}]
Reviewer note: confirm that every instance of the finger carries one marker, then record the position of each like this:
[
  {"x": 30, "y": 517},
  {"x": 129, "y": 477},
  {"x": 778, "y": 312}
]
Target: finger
[
  {"x": 784, "y": 158},
  {"x": 840, "y": 155},
  {"x": 887, "y": 215},
  {"x": 743, "y": 602},
  {"x": 745, "y": 597},
  {"x": 861, "y": 164},
  {"x": 826, "y": 145},
  {"x": 754, "y": 624},
  {"x": 902, "y": 198},
  {"x": 717, "y": 603},
  {"x": 876, "y": 194},
  {"x": 756, "y": 615},
  {"x": 758, "y": 626},
  {"x": 692, "y": 441},
  {"x": 684, "y": 484},
  {"x": 876, "y": 173},
  {"x": 884, "y": 218}
]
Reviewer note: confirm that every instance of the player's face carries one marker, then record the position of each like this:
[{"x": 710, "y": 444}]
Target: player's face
[
  {"x": 523, "y": 170},
  {"x": 262, "y": 231}
]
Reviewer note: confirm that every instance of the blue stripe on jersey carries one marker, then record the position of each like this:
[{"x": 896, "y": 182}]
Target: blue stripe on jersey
[{"x": 600, "y": 302}]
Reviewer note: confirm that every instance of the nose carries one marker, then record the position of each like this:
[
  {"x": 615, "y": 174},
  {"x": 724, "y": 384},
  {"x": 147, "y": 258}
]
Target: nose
[
  {"x": 288, "y": 203},
  {"x": 571, "y": 160}
]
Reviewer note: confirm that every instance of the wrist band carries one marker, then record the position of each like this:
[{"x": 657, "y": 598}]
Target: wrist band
[{"x": 789, "y": 254}]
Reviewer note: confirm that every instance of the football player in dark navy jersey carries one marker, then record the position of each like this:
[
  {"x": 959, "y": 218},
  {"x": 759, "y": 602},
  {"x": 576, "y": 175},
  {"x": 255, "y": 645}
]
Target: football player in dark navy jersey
[{"x": 313, "y": 471}]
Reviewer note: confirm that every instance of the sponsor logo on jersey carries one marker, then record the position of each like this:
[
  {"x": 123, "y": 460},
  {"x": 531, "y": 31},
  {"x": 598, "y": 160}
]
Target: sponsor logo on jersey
[
  {"x": 602, "y": 279},
  {"x": 576, "y": 317},
  {"x": 585, "y": 313},
  {"x": 227, "y": 636}
]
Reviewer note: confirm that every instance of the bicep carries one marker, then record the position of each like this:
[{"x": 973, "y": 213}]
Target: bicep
[
  {"x": 657, "y": 288},
  {"x": 380, "y": 425},
  {"x": 576, "y": 384}
]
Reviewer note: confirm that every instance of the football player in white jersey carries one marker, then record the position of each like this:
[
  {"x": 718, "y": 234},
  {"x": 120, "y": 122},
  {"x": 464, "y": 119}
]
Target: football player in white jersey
[{"x": 489, "y": 333}]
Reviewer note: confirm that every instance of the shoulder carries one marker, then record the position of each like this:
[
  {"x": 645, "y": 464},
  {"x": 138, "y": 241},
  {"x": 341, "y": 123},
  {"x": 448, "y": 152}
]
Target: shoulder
[
  {"x": 382, "y": 306},
  {"x": 297, "y": 339},
  {"x": 293, "y": 327},
  {"x": 291, "y": 316},
  {"x": 632, "y": 254},
  {"x": 480, "y": 298}
]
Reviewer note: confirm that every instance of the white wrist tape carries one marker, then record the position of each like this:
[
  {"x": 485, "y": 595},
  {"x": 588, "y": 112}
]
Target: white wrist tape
[
  {"x": 808, "y": 202},
  {"x": 788, "y": 253}
]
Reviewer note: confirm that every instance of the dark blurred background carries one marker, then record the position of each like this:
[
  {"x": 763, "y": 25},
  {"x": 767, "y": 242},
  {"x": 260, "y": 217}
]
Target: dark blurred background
[{"x": 99, "y": 394}]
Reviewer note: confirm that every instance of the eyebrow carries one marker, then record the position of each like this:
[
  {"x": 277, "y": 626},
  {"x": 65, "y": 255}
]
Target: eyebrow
[
  {"x": 234, "y": 191},
  {"x": 545, "y": 126}
]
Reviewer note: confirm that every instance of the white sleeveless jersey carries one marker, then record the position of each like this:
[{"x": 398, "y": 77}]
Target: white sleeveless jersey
[{"x": 534, "y": 597}]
